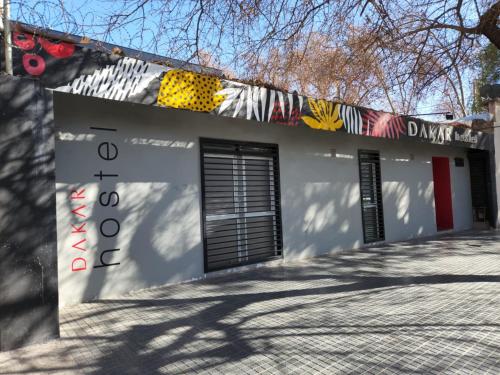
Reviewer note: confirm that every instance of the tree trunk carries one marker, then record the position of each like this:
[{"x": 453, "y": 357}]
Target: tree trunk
[{"x": 488, "y": 24}]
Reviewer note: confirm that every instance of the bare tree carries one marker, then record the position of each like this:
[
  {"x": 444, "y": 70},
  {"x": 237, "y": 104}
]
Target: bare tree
[
  {"x": 411, "y": 43},
  {"x": 351, "y": 72},
  {"x": 250, "y": 24},
  {"x": 318, "y": 67}
]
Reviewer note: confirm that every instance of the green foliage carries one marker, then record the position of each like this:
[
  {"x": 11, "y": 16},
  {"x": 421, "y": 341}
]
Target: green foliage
[
  {"x": 489, "y": 73},
  {"x": 490, "y": 64}
]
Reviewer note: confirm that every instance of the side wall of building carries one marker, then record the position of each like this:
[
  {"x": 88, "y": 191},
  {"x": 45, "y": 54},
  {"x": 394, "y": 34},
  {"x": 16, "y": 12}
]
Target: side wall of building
[
  {"x": 28, "y": 249},
  {"x": 494, "y": 109},
  {"x": 128, "y": 192}
]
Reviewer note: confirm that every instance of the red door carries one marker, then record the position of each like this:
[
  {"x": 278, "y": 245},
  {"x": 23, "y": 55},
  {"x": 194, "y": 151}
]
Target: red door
[{"x": 442, "y": 193}]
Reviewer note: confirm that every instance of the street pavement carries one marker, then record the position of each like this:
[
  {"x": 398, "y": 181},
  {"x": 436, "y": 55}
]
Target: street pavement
[{"x": 429, "y": 306}]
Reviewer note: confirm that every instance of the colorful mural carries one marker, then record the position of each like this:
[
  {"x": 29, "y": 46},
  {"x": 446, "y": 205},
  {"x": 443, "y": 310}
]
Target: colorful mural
[
  {"x": 128, "y": 77},
  {"x": 381, "y": 124},
  {"x": 188, "y": 90},
  {"x": 33, "y": 61},
  {"x": 352, "y": 119},
  {"x": 79, "y": 69},
  {"x": 326, "y": 115},
  {"x": 259, "y": 103}
]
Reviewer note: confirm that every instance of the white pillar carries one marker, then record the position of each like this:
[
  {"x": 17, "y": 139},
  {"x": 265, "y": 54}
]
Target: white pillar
[
  {"x": 494, "y": 109},
  {"x": 7, "y": 36}
]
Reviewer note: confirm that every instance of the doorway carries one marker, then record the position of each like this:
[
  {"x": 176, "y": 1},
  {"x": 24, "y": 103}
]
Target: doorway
[
  {"x": 442, "y": 192},
  {"x": 481, "y": 189}
]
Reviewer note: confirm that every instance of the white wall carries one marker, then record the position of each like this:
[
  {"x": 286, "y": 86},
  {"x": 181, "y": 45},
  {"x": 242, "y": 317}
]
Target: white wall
[
  {"x": 159, "y": 187},
  {"x": 408, "y": 190}
]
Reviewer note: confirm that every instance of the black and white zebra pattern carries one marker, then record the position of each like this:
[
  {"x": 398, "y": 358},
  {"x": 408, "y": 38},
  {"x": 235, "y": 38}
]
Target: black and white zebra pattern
[
  {"x": 259, "y": 101},
  {"x": 353, "y": 122},
  {"x": 118, "y": 82}
]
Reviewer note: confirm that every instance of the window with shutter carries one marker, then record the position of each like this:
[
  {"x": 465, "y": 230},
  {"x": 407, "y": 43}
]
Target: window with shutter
[
  {"x": 241, "y": 203},
  {"x": 371, "y": 196}
]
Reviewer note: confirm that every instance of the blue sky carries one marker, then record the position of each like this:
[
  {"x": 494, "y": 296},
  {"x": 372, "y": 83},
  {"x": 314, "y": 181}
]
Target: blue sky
[
  {"x": 91, "y": 12},
  {"x": 83, "y": 13}
]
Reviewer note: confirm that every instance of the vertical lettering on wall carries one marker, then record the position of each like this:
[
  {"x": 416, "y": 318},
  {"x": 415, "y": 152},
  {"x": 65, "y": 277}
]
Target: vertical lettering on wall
[
  {"x": 103, "y": 263},
  {"x": 77, "y": 194},
  {"x": 76, "y": 211},
  {"x": 109, "y": 227},
  {"x": 78, "y": 231},
  {"x": 78, "y": 264}
]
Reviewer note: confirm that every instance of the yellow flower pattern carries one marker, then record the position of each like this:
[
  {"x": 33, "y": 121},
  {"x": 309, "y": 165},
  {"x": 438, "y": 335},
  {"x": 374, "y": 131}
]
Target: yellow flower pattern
[
  {"x": 326, "y": 115},
  {"x": 189, "y": 90}
]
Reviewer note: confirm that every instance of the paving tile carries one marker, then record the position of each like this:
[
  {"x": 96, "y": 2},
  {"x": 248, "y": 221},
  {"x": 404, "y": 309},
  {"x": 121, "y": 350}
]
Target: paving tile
[{"x": 429, "y": 306}]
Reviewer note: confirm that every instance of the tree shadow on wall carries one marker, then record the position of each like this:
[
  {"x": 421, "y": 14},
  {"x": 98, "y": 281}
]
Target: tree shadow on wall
[
  {"x": 144, "y": 260},
  {"x": 210, "y": 323},
  {"x": 28, "y": 267},
  {"x": 177, "y": 324}
]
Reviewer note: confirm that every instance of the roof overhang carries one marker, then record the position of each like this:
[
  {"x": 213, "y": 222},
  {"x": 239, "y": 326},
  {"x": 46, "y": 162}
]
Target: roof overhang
[{"x": 85, "y": 68}]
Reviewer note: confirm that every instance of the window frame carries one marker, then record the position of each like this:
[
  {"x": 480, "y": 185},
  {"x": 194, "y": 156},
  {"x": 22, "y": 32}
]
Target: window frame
[
  {"x": 275, "y": 197},
  {"x": 380, "y": 224}
]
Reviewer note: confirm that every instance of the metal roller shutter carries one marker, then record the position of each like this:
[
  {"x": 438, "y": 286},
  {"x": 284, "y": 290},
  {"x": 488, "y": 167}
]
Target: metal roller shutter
[
  {"x": 241, "y": 203},
  {"x": 371, "y": 196}
]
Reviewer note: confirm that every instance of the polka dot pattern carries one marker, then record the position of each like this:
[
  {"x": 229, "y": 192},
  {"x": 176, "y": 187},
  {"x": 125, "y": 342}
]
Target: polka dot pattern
[{"x": 188, "y": 90}]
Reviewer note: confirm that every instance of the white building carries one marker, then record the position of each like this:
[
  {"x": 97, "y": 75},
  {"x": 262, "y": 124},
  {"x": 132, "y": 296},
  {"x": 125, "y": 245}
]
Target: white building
[{"x": 120, "y": 174}]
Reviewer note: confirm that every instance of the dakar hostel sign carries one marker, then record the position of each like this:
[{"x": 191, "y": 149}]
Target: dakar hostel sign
[{"x": 441, "y": 134}]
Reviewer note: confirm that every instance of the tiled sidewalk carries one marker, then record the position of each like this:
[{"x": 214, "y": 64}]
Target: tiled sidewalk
[{"x": 428, "y": 307}]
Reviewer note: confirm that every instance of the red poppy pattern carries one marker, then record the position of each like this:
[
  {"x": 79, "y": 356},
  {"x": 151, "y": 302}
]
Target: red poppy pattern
[
  {"x": 24, "y": 41},
  {"x": 33, "y": 63},
  {"x": 60, "y": 50}
]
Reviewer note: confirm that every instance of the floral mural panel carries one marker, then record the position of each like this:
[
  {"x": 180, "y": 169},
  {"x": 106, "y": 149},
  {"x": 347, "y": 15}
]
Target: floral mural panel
[{"x": 87, "y": 69}]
